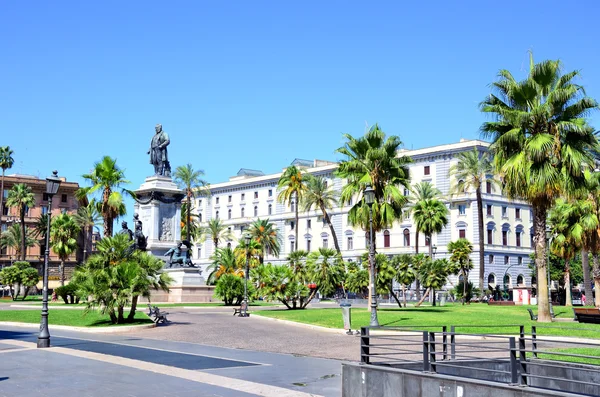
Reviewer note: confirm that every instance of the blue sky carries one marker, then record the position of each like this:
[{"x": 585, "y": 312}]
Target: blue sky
[{"x": 256, "y": 84}]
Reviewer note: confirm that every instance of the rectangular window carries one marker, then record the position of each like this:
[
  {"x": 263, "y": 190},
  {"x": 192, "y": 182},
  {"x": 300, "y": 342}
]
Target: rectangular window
[
  {"x": 44, "y": 210},
  {"x": 427, "y": 241},
  {"x": 308, "y": 245},
  {"x": 243, "y": 211},
  {"x": 243, "y": 196},
  {"x": 324, "y": 221},
  {"x": 426, "y": 170},
  {"x": 504, "y": 237},
  {"x": 45, "y": 196},
  {"x": 462, "y": 209},
  {"x": 217, "y": 215},
  {"x": 504, "y": 212},
  {"x": 506, "y": 260},
  {"x": 488, "y": 187},
  {"x": 490, "y": 236},
  {"x": 462, "y": 233},
  {"x": 350, "y": 243},
  {"x": 229, "y": 199},
  {"x": 199, "y": 252},
  {"x": 270, "y": 209},
  {"x": 292, "y": 225},
  {"x": 518, "y": 213},
  {"x": 489, "y": 210},
  {"x": 386, "y": 239},
  {"x": 270, "y": 192},
  {"x": 292, "y": 246},
  {"x": 491, "y": 259},
  {"x": 520, "y": 261},
  {"x": 229, "y": 214},
  {"x": 308, "y": 223},
  {"x": 255, "y": 211},
  {"x": 518, "y": 235},
  {"x": 255, "y": 195},
  {"x": 217, "y": 200},
  {"x": 325, "y": 242}
]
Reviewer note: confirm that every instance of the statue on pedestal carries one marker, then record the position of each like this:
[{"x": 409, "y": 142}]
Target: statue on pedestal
[
  {"x": 158, "y": 152},
  {"x": 125, "y": 230},
  {"x": 139, "y": 240},
  {"x": 179, "y": 255}
]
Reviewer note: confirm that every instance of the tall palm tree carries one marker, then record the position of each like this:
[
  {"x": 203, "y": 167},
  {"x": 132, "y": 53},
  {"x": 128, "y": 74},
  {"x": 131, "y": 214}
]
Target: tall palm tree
[
  {"x": 267, "y": 235},
  {"x": 471, "y": 172},
  {"x": 195, "y": 229},
  {"x": 291, "y": 188},
  {"x": 63, "y": 234},
  {"x": 250, "y": 251},
  {"x": 323, "y": 197},
  {"x": 590, "y": 198},
  {"x": 11, "y": 237},
  {"x": 6, "y": 162},
  {"x": 431, "y": 216},
  {"x": 541, "y": 142},
  {"x": 433, "y": 275},
  {"x": 22, "y": 197},
  {"x": 41, "y": 227},
  {"x": 405, "y": 273},
  {"x": 191, "y": 182},
  {"x": 87, "y": 217},
  {"x": 107, "y": 178},
  {"x": 217, "y": 231},
  {"x": 420, "y": 192},
  {"x": 223, "y": 262},
  {"x": 297, "y": 262},
  {"x": 460, "y": 253}
]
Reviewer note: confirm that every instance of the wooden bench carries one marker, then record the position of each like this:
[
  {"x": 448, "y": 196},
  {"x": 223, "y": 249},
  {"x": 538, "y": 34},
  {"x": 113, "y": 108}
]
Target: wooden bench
[
  {"x": 243, "y": 308},
  {"x": 587, "y": 315},
  {"x": 501, "y": 303},
  {"x": 158, "y": 316}
]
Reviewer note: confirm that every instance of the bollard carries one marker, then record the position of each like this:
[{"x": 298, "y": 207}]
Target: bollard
[{"x": 347, "y": 317}]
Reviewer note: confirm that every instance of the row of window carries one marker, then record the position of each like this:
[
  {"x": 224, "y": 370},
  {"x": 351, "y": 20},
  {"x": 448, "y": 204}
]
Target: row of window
[
  {"x": 242, "y": 212},
  {"x": 507, "y": 280},
  {"x": 243, "y": 196},
  {"x": 489, "y": 211},
  {"x": 490, "y": 237}
]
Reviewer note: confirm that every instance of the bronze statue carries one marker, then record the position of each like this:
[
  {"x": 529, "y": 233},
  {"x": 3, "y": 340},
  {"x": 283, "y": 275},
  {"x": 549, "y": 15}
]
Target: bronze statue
[
  {"x": 140, "y": 241},
  {"x": 176, "y": 256},
  {"x": 125, "y": 230},
  {"x": 158, "y": 152}
]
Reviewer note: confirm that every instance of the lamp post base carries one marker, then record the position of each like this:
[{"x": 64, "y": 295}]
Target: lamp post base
[{"x": 43, "y": 343}]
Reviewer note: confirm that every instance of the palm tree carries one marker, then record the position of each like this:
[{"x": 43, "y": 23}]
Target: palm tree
[
  {"x": 63, "y": 234},
  {"x": 405, "y": 273},
  {"x": 195, "y": 230},
  {"x": 191, "y": 183},
  {"x": 323, "y": 197},
  {"x": 11, "y": 237},
  {"x": 6, "y": 162},
  {"x": 373, "y": 160},
  {"x": 87, "y": 217},
  {"x": 471, "y": 172},
  {"x": 217, "y": 232},
  {"x": 41, "y": 227},
  {"x": 106, "y": 177},
  {"x": 223, "y": 262},
  {"x": 460, "y": 253},
  {"x": 250, "y": 251},
  {"x": 22, "y": 197},
  {"x": 266, "y": 234},
  {"x": 430, "y": 216},
  {"x": 433, "y": 276},
  {"x": 542, "y": 144},
  {"x": 291, "y": 189},
  {"x": 297, "y": 262},
  {"x": 325, "y": 268},
  {"x": 422, "y": 191}
]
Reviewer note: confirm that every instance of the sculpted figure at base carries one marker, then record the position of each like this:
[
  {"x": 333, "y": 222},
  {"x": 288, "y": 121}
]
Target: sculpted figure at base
[
  {"x": 180, "y": 255},
  {"x": 125, "y": 230},
  {"x": 139, "y": 240},
  {"x": 158, "y": 152}
]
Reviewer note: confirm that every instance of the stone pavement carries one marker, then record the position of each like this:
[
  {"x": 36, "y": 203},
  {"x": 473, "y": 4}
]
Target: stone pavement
[{"x": 92, "y": 365}]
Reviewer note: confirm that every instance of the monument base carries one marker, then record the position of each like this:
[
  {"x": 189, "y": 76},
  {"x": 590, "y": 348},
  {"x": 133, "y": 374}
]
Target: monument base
[{"x": 189, "y": 286}]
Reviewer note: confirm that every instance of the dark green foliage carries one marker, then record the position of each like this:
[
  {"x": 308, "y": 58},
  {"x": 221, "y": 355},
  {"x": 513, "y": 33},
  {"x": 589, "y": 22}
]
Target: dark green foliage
[
  {"x": 19, "y": 274},
  {"x": 68, "y": 293},
  {"x": 230, "y": 288}
]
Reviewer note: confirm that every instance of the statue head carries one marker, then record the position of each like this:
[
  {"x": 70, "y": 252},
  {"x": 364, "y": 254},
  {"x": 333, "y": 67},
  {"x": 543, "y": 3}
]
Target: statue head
[
  {"x": 158, "y": 128},
  {"x": 135, "y": 216},
  {"x": 124, "y": 225},
  {"x": 179, "y": 244}
]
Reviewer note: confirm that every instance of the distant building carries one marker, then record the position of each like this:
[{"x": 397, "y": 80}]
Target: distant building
[
  {"x": 63, "y": 201},
  {"x": 250, "y": 195}
]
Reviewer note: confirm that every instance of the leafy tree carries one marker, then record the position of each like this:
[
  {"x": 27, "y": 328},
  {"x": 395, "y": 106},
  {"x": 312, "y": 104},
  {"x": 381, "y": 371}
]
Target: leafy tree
[
  {"x": 87, "y": 217},
  {"x": 470, "y": 289},
  {"x": 196, "y": 232},
  {"x": 297, "y": 262},
  {"x": 589, "y": 199},
  {"x": 471, "y": 172},
  {"x": 11, "y": 237},
  {"x": 21, "y": 197},
  {"x": 41, "y": 227},
  {"x": 460, "y": 253},
  {"x": 6, "y": 162},
  {"x": 430, "y": 216},
  {"x": 106, "y": 177},
  {"x": 17, "y": 275},
  {"x": 191, "y": 182},
  {"x": 230, "y": 289},
  {"x": 292, "y": 187},
  {"x": 250, "y": 250},
  {"x": 278, "y": 285},
  {"x": 433, "y": 276},
  {"x": 542, "y": 143},
  {"x": 357, "y": 281},
  {"x": 405, "y": 273},
  {"x": 217, "y": 231},
  {"x": 323, "y": 197},
  {"x": 325, "y": 268},
  {"x": 266, "y": 234},
  {"x": 223, "y": 262},
  {"x": 63, "y": 234},
  {"x": 116, "y": 276}
]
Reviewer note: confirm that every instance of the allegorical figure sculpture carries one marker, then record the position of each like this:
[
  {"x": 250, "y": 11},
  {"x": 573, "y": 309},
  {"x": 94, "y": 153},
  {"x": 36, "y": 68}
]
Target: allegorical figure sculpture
[
  {"x": 158, "y": 152},
  {"x": 179, "y": 255},
  {"x": 125, "y": 230},
  {"x": 139, "y": 240}
]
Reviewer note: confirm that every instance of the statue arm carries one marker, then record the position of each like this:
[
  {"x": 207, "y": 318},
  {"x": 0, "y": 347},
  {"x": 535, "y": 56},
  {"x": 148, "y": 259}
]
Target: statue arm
[
  {"x": 169, "y": 252},
  {"x": 166, "y": 141}
]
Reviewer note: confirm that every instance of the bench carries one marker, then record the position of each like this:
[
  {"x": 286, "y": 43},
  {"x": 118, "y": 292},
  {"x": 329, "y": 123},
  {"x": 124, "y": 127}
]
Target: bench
[
  {"x": 158, "y": 316},
  {"x": 587, "y": 315},
  {"x": 531, "y": 315},
  {"x": 243, "y": 308},
  {"x": 501, "y": 303}
]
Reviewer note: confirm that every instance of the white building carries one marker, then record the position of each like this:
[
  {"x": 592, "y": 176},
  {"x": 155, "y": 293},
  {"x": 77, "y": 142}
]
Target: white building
[{"x": 508, "y": 224}]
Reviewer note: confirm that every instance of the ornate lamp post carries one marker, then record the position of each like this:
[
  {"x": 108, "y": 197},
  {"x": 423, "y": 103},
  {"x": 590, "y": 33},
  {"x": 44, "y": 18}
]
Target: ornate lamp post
[
  {"x": 369, "y": 195},
  {"x": 244, "y": 312},
  {"x": 549, "y": 238},
  {"x": 52, "y": 184},
  {"x": 434, "y": 250}
]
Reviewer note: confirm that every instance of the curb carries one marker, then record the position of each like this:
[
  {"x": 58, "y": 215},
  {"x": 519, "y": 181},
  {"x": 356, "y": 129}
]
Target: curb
[
  {"x": 97, "y": 330},
  {"x": 302, "y": 325}
]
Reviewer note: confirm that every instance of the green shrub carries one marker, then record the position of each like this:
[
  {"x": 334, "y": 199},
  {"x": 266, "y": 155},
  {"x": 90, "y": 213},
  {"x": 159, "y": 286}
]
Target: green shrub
[
  {"x": 68, "y": 293},
  {"x": 19, "y": 274},
  {"x": 230, "y": 289}
]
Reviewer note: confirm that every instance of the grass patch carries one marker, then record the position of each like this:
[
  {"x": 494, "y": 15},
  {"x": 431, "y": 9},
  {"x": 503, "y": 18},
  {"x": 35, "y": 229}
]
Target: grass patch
[
  {"x": 474, "y": 318},
  {"x": 581, "y": 351},
  {"x": 211, "y": 304},
  {"x": 74, "y": 318},
  {"x": 31, "y": 298}
]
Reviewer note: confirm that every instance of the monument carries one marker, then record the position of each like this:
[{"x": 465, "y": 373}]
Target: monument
[{"x": 157, "y": 225}]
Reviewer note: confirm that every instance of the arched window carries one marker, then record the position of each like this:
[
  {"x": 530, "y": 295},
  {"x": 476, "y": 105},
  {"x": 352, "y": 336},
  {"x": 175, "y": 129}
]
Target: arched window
[
  {"x": 386, "y": 239},
  {"x": 229, "y": 245},
  {"x": 242, "y": 212},
  {"x": 492, "y": 280},
  {"x": 200, "y": 217},
  {"x": 520, "y": 280},
  {"x": 229, "y": 213},
  {"x": 255, "y": 211},
  {"x": 270, "y": 209},
  {"x": 293, "y": 206},
  {"x": 217, "y": 215},
  {"x": 507, "y": 280},
  {"x": 406, "y": 234}
]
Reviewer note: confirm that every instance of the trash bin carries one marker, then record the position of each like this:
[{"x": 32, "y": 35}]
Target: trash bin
[
  {"x": 443, "y": 299},
  {"x": 347, "y": 317}
]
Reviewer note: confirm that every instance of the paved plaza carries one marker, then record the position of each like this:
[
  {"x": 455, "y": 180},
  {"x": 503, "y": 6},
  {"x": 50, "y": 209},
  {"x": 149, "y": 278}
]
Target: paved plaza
[{"x": 202, "y": 352}]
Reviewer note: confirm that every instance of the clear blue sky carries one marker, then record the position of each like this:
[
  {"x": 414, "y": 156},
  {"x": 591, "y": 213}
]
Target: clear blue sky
[{"x": 256, "y": 84}]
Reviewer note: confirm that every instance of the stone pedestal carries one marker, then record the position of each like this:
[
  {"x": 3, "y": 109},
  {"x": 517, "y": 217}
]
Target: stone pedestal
[
  {"x": 189, "y": 286},
  {"x": 159, "y": 207}
]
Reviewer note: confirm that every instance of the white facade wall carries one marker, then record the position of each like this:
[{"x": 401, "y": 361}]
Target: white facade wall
[{"x": 245, "y": 196}]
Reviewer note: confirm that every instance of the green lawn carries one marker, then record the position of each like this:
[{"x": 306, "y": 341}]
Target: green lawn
[
  {"x": 74, "y": 318},
  {"x": 474, "y": 318},
  {"x": 29, "y": 299},
  {"x": 584, "y": 351},
  {"x": 212, "y": 304}
]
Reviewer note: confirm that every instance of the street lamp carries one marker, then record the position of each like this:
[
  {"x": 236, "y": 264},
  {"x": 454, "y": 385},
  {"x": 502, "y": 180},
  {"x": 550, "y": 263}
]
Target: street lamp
[
  {"x": 434, "y": 250},
  {"x": 244, "y": 311},
  {"x": 52, "y": 184},
  {"x": 549, "y": 238},
  {"x": 369, "y": 196}
]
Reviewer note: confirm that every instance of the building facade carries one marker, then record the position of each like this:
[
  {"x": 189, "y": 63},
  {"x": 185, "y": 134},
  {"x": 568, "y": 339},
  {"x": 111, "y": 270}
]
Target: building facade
[
  {"x": 507, "y": 231},
  {"x": 63, "y": 201}
]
